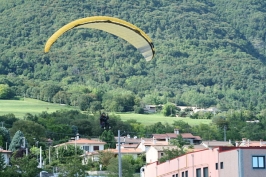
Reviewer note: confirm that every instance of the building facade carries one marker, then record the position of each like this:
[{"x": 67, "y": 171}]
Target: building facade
[{"x": 212, "y": 162}]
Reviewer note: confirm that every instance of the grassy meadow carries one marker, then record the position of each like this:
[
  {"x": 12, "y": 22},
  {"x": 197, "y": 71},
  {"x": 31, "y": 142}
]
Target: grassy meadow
[
  {"x": 148, "y": 119},
  {"x": 20, "y": 107}
]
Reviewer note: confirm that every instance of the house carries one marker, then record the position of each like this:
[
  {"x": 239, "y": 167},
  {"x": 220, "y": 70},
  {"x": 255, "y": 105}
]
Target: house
[
  {"x": 156, "y": 152},
  {"x": 94, "y": 156},
  {"x": 150, "y": 109},
  {"x": 85, "y": 144},
  {"x": 186, "y": 136},
  {"x": 213, "y": 143},
  {"x": 141, "y": 143},
  {"x": 248, "y": 143},
  {"x": 128, "y": 140},
  {"x": 214, "y": 162},
  {"x": 6, "y": 154},
  {"x": 145, "y": 144}
]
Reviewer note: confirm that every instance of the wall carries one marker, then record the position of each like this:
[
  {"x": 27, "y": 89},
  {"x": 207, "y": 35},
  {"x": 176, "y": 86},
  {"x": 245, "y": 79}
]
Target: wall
[{"x": 189, "y": 162}]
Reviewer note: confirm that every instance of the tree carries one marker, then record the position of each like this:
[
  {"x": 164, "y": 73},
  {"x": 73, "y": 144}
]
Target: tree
[
  {"x": 66, "y": 153},
  {"x": 25, "y": 166},
  {"x": 17, "y": 141},
  {"x": 30, "y": 130},
  {"x": 8, "y": 120},
  {"x": 169, "y": 109},
  {"x": 118, "y": 100},
  {"x": 108, "y": 137},
  {"x": 4, "y": 133},
  {"x": 176, "y": 150},
  {"x": 105, "y": 157},
  {"x": 73, "y": 167},
  {"x": 128, "y": 169},
  {"x": 182, "y": 126},
  {"x": 5, "y": 92},
  {"x": 2, "y": 163}
]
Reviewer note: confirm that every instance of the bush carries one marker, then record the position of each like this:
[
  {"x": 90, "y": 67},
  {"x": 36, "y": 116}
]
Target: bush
[{"x": 138, "y": 110}]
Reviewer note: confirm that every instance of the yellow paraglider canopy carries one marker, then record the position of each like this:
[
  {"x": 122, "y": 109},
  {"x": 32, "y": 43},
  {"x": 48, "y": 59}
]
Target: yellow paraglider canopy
[{"x": 115, "y": 26}]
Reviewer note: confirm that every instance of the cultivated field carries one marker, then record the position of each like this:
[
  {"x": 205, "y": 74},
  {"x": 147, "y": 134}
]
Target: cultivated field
[{"x": 20, "y": 107}]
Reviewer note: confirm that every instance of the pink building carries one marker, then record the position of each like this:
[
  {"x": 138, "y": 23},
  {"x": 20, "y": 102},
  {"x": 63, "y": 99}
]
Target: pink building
[{"x": 212, "y": 162}]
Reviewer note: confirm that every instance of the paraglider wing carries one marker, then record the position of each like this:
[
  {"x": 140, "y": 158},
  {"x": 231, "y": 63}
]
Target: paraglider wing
[{"x": 115, "y": 26}]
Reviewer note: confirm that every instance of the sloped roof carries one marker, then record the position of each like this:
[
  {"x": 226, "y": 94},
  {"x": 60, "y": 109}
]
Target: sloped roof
[
  {"x": 125, "y": 139},
  {"x": 122, "y": 151},
  {"x": 162, "y": 148},
  {"x": 252, "y": 144},
  {"x": 130, "y": 145},
  {"x": 174, "y": 135},
  {"x": 155, "y": 143},
  {"x": 82, "y": 141},
  {"x": 216, "y": 143},
  {"x": 5, "y": 151}
]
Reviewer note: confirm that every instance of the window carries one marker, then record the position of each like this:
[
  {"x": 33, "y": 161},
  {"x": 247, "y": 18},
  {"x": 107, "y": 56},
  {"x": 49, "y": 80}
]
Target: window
[
  {"x": 176, "y": 175},
  {"x": 95, "y": 148},
  {"x": 173, "y": 176},
  {"x": 258, "y": 162},
  {"x": 161, "y": 154},
  {"x": 183, "y": 174},
  {"x": 186, "y": 174},
  {"x": 198, "y": 172},
  {"x": 216, "y": 166},
  {"x": 86, "y": 148},
  {"x": 205, "y": 172},
  {"x": 221, "y": 165}
]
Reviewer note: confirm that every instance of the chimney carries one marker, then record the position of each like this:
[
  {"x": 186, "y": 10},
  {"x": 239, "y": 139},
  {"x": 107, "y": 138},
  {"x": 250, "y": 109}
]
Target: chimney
[
  {"x": 128, "y": 136},
  {"x": 176, "y": 131},
  {"x": 154, "y": 140},
  {"x": 248, "y": 142},
  {"x": 230, "y": 141},
  {"x": 77, "y": 136},
  {"x": 237, "y": 144},
  {"x": 261, "y": 140},
  {"x": 244, "y": 140}
]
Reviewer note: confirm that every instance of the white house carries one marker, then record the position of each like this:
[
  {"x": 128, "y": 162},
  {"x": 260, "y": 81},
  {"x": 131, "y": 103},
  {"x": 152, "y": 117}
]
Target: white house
[
  {"x": 150, "y": 108},
  {"x": 156, "y": 152},
  {"x": 85, "y": 144}
]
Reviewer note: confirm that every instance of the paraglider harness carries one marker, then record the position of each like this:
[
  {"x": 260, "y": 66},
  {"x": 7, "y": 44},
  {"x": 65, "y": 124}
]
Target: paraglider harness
[{"x": 104, "y": 121}]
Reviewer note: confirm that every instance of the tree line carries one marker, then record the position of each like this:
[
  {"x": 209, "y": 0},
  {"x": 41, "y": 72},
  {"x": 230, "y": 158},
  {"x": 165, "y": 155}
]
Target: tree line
[{"x": 208, "y": 53}]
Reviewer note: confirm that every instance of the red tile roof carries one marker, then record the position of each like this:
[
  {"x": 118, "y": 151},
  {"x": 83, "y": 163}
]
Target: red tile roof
[{"x": 173, "y": 135}]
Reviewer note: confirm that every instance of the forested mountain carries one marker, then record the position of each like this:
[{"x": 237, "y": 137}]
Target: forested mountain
[{"x": 208, "y": 52}]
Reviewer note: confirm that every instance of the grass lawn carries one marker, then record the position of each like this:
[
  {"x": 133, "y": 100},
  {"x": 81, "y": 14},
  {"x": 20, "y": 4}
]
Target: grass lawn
[
  {"x": 148, "y": 119},
  {"x": 20, "y": 107}
]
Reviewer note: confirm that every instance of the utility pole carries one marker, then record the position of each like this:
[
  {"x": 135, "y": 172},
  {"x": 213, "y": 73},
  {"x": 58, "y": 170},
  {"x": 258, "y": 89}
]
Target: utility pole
[
  {"x": 40, "y": 157},
  {"x": 224, "y": 132},
  {"x": 49, "y": 155},
  {"x": 40, "y": 160},
  {"x": 119, "y": 156}
]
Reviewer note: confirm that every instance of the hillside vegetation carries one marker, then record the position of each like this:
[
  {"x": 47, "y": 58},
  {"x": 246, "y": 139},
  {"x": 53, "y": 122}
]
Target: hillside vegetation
[{"x": 208, "y": 53}]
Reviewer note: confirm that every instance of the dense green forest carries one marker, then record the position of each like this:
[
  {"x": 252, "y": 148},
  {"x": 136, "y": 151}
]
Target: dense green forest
[{"x": 208, "y": 53}]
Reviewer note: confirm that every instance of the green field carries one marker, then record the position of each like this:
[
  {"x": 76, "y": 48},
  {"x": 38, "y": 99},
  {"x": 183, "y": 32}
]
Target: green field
[
  {"x": 20, "y": 107},
  {"x": 148, "y": 119}
]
